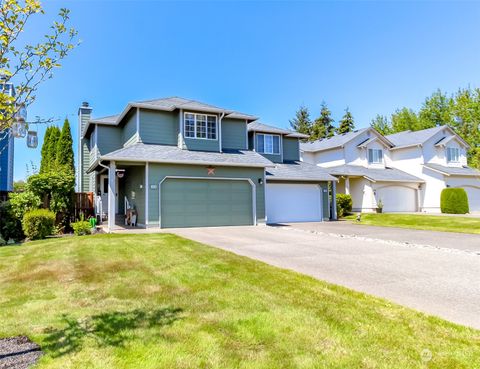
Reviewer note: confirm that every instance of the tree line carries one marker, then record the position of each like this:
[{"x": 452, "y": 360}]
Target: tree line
[
  {"x": 460, "y": 110},
  {"x": 324, "y": 125}
]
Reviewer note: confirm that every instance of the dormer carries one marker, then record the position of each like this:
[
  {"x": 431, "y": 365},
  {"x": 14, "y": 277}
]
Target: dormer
[
  {"x": 451, "y": 150},
  {"x": 276, "y": 144}
]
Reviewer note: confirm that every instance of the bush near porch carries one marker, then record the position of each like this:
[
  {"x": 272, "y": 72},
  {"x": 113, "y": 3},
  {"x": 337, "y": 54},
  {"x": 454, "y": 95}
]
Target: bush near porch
[
  {"x": 160, "y": 301},
  {"x": 344, "y": 204}
]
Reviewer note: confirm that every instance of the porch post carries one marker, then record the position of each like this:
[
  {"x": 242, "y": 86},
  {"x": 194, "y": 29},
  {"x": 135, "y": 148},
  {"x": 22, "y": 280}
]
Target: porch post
[
  {"x": 112, "y": 194},
  {"x": 334, "y": 200},
  {"x": 347, "y": 185}
]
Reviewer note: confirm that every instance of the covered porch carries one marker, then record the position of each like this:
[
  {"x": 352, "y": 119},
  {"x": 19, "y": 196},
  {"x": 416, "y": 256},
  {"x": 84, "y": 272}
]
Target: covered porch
[{"x": 120, "y": 195}]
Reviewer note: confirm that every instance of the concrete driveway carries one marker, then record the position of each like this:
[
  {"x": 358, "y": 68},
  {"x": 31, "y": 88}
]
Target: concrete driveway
[{"x": 440, "y": 277}]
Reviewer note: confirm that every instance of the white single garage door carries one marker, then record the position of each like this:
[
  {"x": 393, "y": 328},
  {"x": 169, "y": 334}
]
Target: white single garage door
[
  {"x": 293, "y": 203},
  {"x": 398, "y": 199},
  {"x": 473, "y": 194}
]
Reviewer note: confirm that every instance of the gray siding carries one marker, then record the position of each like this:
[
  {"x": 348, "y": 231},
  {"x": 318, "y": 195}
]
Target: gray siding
[
  {"x": 157, "y": 172},
  {"x": 158, "y": 127},
  {"x": 85, "y": 162},
  {"x": 274, "y": 158},
  {"x": 201, "y": 144},
  {"x": 325, "y": 201},
  {"x": 291, "y": 149},
  {"x": 109, "y": 139},
  {"x": 130, "y": 129},
  {"x": 234, "y": 134}
]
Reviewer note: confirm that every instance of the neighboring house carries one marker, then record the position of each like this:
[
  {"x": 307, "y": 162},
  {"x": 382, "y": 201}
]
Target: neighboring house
[
  {"x": 295, "y": 191},
  {"x": 439, "y": 157},
  {"x": 6, "y": 148},
  {"x": 362, "y": 162},
  {"x": 181, "y": 163}
]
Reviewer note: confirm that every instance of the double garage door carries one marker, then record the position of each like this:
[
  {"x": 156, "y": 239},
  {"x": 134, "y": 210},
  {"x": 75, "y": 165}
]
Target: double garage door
[
  {"x": 293, "y": 203},
  {"x": 205, "y": 202}
]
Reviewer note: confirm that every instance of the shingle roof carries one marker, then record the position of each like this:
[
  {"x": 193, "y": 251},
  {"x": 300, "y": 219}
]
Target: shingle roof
[
  {"x": 261, "y": 127},
  {"x": 454, "y": 171},
  {"x": 332, "y": 142},
  {"x": 412, "y": 138},
  {"x": 141, "y": 152},
  {"x": 111, "y": 119},
  {"x": 298, "y": 171},
  {"x": 387, "y": 174}
]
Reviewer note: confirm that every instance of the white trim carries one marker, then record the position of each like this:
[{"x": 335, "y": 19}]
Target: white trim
[
  {"x": 447, "y": 149},
  {"x": 254, "y": 193},
  {"x": 273, "y": 148},
  {"x": 147, "y": 189},
  {"x": 180, "y": 130},
  {"x": 436, "y": 170},
  {"x": 223, "y": 164},
  {"x": 220, "y": 146},
  {"x": 373, "y": 150},
  {"x": 206, "y": 126}
]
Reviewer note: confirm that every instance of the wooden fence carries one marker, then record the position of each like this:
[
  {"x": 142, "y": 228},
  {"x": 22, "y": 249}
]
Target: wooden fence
[{"x": 84, "y": 204}]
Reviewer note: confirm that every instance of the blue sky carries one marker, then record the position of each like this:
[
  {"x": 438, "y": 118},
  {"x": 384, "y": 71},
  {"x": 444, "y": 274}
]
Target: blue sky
[{"x": 263, "y": 58}]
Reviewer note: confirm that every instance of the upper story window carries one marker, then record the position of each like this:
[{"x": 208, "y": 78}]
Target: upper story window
[
  {"x": 375, "y": 156},
  {"x": 268, "y": 144},
  {"x": 202, "y": 126},
  {"x": 453, "y": 155}
]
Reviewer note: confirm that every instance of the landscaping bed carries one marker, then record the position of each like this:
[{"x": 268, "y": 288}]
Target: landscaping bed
[{"x": 160, "y": 301}]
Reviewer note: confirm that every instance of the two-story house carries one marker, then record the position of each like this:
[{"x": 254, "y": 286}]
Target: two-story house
[
  {"x": 183, "y": 163},
  {"x": 362, "y": 162},
  {"x": 439, "y": 157}
]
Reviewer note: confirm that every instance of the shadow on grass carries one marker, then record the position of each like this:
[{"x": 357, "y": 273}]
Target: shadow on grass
[{"x": 107, "y": 329}]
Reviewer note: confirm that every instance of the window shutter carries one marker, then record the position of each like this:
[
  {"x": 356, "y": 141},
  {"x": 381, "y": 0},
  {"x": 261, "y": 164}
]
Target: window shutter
[{"x": 370, "y": 155}]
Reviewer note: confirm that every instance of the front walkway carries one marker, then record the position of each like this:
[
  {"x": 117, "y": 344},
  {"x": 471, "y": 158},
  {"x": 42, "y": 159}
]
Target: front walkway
[{"x": 438, "y": 281}]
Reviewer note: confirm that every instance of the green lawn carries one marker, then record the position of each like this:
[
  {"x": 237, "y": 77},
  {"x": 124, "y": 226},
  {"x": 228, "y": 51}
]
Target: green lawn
[
  {"x": 427, "y": 222},
  {"x": 159, "y": 301}
]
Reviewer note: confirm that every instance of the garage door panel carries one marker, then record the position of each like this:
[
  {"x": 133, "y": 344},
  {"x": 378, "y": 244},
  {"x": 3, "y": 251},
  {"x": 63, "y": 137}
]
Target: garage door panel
[
  {"x": 209, "y": 202},
  {"x": 473, "y": 195},
  {"x": 293, "y": 203},
  {"x": 397, "y": 199}
]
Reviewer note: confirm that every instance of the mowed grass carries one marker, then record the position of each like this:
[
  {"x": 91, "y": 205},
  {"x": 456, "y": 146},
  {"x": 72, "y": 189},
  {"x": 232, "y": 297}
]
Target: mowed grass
[
  {"x": 441, "y": 223},
  {"x": 160, "y": 301}
]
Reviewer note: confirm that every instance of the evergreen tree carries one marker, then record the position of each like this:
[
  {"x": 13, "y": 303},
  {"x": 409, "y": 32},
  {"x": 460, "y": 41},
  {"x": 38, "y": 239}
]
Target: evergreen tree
[
  {"x": 51, "y": 157},
  {"x": 302, "y": 123},
  {"x": 346, "y": 124},
  {"x": 64, "y": 150},
  {"x": 44, "y": 167},
  {"x": 323, "y": 125}
]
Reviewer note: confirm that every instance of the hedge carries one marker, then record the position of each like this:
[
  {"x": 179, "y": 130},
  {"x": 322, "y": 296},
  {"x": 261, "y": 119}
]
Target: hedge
[
  {"x": 454, "y": 201},
  {"x": 38, "y": 224}
]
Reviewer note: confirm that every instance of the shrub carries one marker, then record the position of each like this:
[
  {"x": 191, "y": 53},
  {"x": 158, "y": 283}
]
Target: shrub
[
  {"x": 10, "y": 225},
  {"x": 344, "y": 204},
  {"x": 81, "y": 228},
  {"x": 454, "y": 201},
  {"x": 38, "y": 224},
  {"x": 21, "y": 202}
]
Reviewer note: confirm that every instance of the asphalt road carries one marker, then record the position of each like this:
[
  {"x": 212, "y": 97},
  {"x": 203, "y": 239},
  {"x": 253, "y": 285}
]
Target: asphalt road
[{"x": 437, "y": 273}]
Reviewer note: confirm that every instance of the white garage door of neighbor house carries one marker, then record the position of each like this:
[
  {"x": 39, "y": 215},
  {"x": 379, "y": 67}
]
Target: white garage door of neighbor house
[
  {"x": 293, "y": 203},
  {"x": 473, "y": 194},
  {"x": 398, "y": 199}
]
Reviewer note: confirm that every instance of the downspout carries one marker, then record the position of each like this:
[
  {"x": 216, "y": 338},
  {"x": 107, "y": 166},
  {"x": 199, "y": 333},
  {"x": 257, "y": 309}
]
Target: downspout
[{"x": 220, "y": 132}]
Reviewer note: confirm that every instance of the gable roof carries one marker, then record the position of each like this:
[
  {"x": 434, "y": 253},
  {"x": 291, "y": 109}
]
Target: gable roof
[
  {"x": 265, "y": 128},
  {"x": 339, "y": 140},
  {"x": 152, "y": 153},
  {"x": 374, "y": 174},
  {"x": 169, "y": 104},
  {"x": 298, "y": 171},
  {"x": 417, "y": 138}
]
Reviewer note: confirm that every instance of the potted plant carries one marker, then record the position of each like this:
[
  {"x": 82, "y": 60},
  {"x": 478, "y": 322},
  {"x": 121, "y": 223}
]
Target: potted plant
[{"x": 379, "y": 206}]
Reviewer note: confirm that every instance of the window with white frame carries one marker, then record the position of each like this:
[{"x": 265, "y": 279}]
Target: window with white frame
[
  {"x": 201, "y": 126},
  {"x": 453, "y": 154},
  {"x": 375, "y": 156},
  {"x": 268, "y": 144}
]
